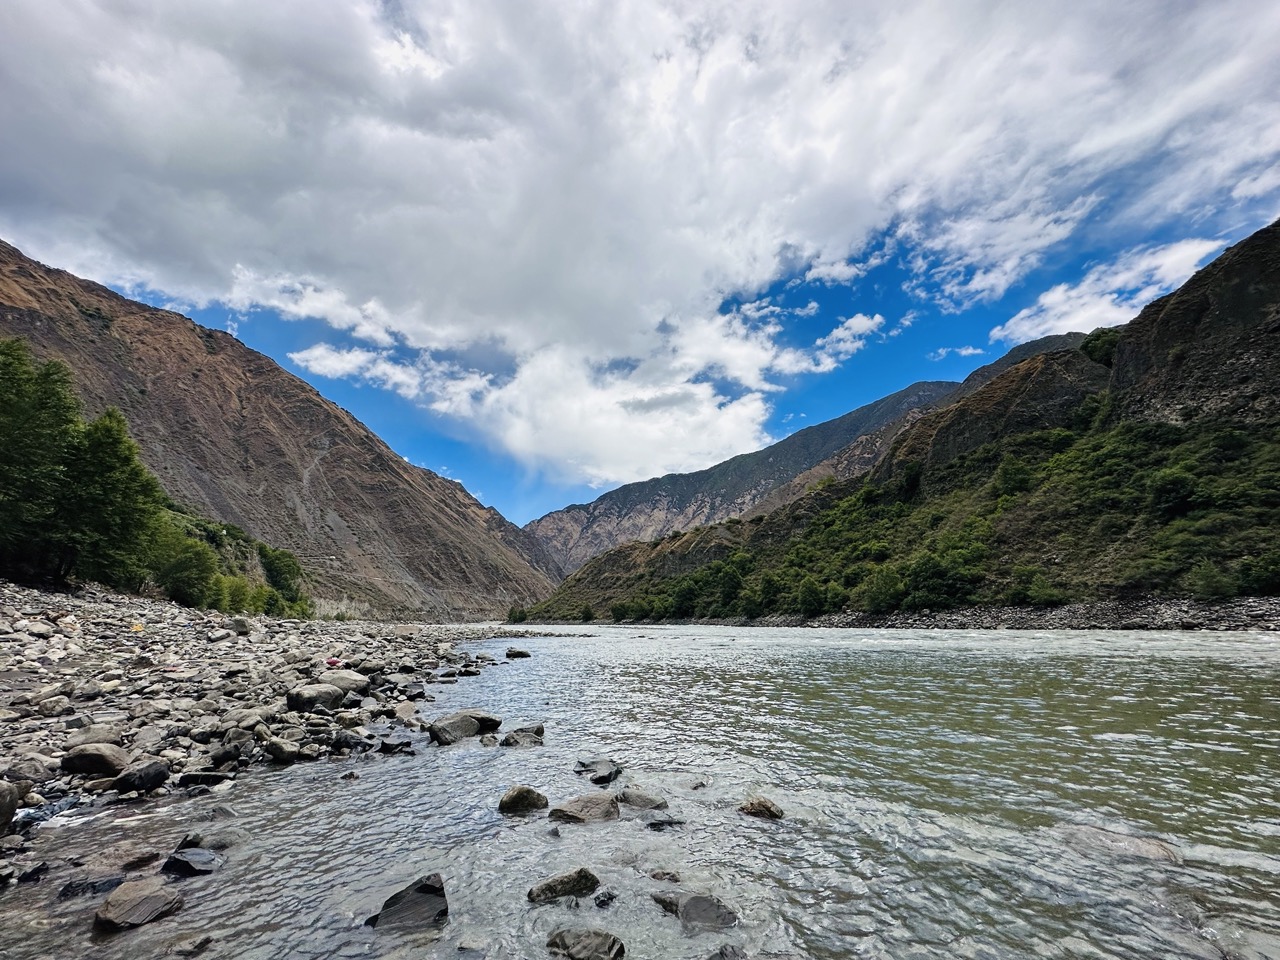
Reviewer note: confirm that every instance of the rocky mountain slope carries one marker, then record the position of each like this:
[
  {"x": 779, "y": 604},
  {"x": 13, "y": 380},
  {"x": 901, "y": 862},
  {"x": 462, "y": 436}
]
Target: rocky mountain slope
[
  {"x": 678, "y": 501},
  {"x": 233, "y": 436},
  {"x": 1144, "y": 463}
]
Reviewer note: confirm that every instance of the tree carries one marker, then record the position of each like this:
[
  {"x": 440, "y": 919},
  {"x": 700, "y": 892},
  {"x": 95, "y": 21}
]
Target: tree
[{"x": 811, "y": 597}]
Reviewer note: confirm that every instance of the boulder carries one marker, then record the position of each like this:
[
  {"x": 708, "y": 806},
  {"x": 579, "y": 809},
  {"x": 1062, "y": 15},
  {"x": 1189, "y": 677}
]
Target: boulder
[
  {"x": 698, "y": 912},
  {"x": 94, "y": 733},
  {"x": 10, "y": 797},
  {"x": 449, "y": 730},
  {"x": 104, "y": 759},
  {"x": 763, "y": 808},
  {"x": 306, "y": 698},
  {"x": 143, "y": 776},
  {"x": 589, "y": 808},
  {"x": 598, "y": 772},
  {"x": 521, "y": 799},
  {"x": 515, "y": 653},
  {"x": 638, "y": 798},
  {"x": 586, "y": 945},
  {"x": 420, "y": 905},
  {"x": 55, "y": 707},
  {"x": 137, "y": 902},
  {"x": 192, "y": 862},
  {"x": 728, "y": 952},
  {"x": 348, "y": 681},
  {"x": 579, "y": 883},
  {"x": 35, "y": 767},
  {"x": 281, "y": 750}
]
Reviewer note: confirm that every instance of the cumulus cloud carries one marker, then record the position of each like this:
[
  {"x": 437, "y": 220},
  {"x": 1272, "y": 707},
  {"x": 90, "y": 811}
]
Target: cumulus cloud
[
  {"x": 583, "y": 186},
  {"x": 1110, "y": 293}
]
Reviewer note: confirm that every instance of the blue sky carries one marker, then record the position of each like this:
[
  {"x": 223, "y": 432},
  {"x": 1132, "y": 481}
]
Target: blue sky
[{"x": 546, "y": 249}]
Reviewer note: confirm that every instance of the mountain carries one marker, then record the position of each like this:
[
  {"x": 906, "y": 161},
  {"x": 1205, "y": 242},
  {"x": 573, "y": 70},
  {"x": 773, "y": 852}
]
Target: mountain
[
  {"x": 1144, "y": 462},
  {"x": 677, "y": 501},
  {"x": 233, "y": 436}
]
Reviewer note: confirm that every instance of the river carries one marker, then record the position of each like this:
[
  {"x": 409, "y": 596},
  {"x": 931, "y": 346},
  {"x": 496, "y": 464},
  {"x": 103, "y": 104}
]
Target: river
[{"x": 947, "y": 794}]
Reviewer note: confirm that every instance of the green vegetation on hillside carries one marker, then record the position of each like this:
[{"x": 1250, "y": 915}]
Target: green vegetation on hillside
[
  {"x": 76, "y": 502},
  {"x": 1102, "y": 510}
]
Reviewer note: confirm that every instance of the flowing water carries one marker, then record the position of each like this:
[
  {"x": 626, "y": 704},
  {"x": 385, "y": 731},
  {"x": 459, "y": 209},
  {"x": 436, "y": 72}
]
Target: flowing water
[{"x": 954, "y": 794}]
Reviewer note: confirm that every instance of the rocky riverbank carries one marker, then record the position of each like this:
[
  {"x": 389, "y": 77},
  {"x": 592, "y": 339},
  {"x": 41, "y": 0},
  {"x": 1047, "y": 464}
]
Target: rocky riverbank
[
  {"x": 1243, "y": 613},
  {"x": 108, "y": 699}
]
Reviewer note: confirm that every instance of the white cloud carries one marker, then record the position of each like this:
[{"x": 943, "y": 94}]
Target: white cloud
[
  {"x": 434, "y": 176},
  {"x": 1109, "y": 294},
  {"x": 943, "y": 352}
]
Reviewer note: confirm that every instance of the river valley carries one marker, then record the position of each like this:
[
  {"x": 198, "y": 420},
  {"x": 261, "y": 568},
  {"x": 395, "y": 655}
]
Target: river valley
[{"x": 947, "y": 794}]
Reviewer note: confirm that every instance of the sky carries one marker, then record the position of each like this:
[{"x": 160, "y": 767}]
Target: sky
[{"x": 548, "y": 248}]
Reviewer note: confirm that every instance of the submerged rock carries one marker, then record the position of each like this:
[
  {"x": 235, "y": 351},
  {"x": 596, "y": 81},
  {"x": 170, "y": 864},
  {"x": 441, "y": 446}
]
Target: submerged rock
[
  {"x": 697, "y": 912},
  {"x": 728, "y": 952},
  {"x": 580, "y": 883},
  {"x": 192, "y": 862},
  {"x": 515, "y": 653},
  {"x": 521, "y": 799},
  {"x": 590, "y": 808},
  {"x": 638, "y": 798},
  {"x": 518, "y": 738},
  {"x": 763, "y": 808},
  {"x": 137, "y": 902},
  {"x": 599, "y": 772},
  {"x": 421, "y": 905},
  {"x": 586, "y": 945}
]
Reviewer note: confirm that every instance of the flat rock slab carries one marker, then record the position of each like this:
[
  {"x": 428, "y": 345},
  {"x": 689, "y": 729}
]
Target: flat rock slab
[
  {"x": 586, "y": 945},
  {"x": 698, "y": 912},
  {"x": 420, "y": 906},
  {"x": 598, "y": 772},
  {"x": 579, "y": 883},
  {"x": 590, "y": 808},
  {"x": 137, "y": 902},
  {"x": 763, "y": 808},
  {"x": 192, "y": 862},
  {"x": 521, "y": 799}
]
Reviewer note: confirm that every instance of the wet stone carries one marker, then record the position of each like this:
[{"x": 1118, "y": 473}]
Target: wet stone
[
  {"x": 698, "y": 912},
  {"x": 763, "y": 808},
  {"x": 137, "y": 902},
  {"x": 421, "y": 905},
  {"x": 599, "y": 772},
  {"x": 584, "y": 944},
  {"x": 192, "y": 862},
  {"x": 578, "y": 883},
  {"x": 590, "y": 808}
]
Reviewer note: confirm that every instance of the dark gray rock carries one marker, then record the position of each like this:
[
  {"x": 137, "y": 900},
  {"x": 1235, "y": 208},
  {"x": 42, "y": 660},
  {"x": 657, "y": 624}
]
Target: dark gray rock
[
  {"x": 137, "y": 902},
  {"x": 143, "y": 776},
  {"x": 638, "y": 798},
  {"x": 605, "y": 898},
  {"x": 35, "y": 767},
  {"x": 9, "y": 800},
  {"x": 520, "y": 800},
  {"x": 421, "y": 905},
  {"x": 90, "y": 886},
  {"x": 281, "y": 750},
  {"x": 590, "y": 808},
  {"x": 579, "y": 883},
  {"x": 94, "y": 733},
  {"x": 192, "y": 862},
  {"x": 586, "y": 945},
  {"x": 203, "y": 778},
  {"x": 763, "y": 808},
  {"x": 728, "y": 952},
  {"x": 453, "y": 728},
  {"x": 599, "y": 772},
  {"x": 104, "y": 759},
  {"x": 306, "y": 699},
  {"x": 658, "y": 821},
  {"x": 515, "y": 653},
  {"x": 518, "y": 739},
  {"x": 698, "y": 912}
]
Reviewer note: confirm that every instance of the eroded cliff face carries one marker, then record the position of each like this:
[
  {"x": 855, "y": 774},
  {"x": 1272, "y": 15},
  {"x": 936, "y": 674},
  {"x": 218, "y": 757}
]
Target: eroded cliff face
[
  {"x": 235, "y": 437},
  {"x": 655, "y": 508}
]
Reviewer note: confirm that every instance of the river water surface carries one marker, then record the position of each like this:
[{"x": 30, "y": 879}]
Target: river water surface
[{"x": 951, "y": 794}]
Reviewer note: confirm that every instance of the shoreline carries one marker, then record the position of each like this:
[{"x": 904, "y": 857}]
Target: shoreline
[
  {"x": 109, "y": 699},
  {"x": 1259, "y": 614}
]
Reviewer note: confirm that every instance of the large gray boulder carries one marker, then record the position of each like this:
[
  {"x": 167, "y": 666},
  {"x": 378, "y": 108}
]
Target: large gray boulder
[
  {"x": 9, "y": 800},
  {"x": 306, "y": 698},
  {"x": 421, "y": 905},
  {"x": 589, "y": 808},
  {"x": 137, "y": 902},
  {"x": 520, "y": 800},
  {"x": 586, "y": 945},
  {"x": 461, "y": 725},
  {"x": 348, "y": 681},
  {"x": 599, "y": 772},
  {"x": 103, "y": 759},
  {"x": 579, "y": 883}
]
